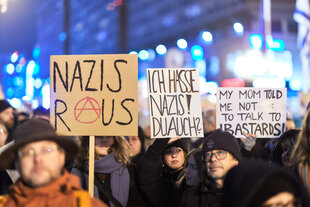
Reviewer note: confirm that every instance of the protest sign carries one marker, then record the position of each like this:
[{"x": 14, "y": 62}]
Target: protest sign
[
  {"x": 174, "y": 102},
  {"x": 94, "y": 94},
  {"x": 259, "y": 111}
]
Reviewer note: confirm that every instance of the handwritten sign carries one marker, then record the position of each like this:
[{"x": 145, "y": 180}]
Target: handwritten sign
[
  {"x": 174, "y": 102},
  {"x": 259, "y": 111},
  {"x": 94, "y": 94}
]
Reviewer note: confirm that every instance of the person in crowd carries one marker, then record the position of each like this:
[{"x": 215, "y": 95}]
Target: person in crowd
[
  {"x": 282, "y": 151},
  {"x": 144, "y": 123},
  {"x": 256, "y": 183},
  {"x": 300, "y": 155},
  {"x": 112, "y": 158},
  {"x": 5, "y": 180},
  {"x": 22, "y": 116},
  {"x": 220, "y": 152},
  {"x": 137, "y": 150},
  {"x": 194, "y": 168},
  {"x": 161, "y": 175},
  {"x": 209, "y": 125},
  {"x": 290, "y": 124},
  {"x": 41, "y": 113},
  {"x": 39, "y": 155},
  {"x": 3, "y": 133},
  {"x": 8, "y": 117}
]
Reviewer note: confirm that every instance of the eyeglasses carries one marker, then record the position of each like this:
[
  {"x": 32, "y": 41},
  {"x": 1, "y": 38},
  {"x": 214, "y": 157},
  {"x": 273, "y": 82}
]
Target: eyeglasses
[
  {"x": 220, "y": 155},
  {"x": 295, "y": 203},
  {"x": 29, "y": 153}
]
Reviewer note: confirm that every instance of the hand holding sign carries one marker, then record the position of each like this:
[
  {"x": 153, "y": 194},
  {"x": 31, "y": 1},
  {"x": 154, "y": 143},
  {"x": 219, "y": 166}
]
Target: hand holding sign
[{"x": 249, "y": 141}]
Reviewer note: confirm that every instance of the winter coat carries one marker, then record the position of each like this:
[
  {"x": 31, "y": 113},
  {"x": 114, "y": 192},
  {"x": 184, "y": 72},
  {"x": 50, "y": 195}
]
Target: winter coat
[
  {"x": 156, "y": 184},
  {"x": 61, "y": 193},
  {"x": 119, "y": 178},
  {"x": 204, "y": 195}
]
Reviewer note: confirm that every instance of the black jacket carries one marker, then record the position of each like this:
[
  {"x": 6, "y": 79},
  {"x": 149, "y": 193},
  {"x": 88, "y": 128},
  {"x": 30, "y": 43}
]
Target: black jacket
[
  {"x": 204, "y": 195},
  {"x": 156, "y": 183}
]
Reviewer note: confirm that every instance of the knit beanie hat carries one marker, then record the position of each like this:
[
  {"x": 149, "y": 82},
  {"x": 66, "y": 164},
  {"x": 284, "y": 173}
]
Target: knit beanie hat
[
  {"x": 273, "y": 185},
  {"x": 220, "y": 140},
  {"x": 178, "y": 143},
  {"x": 4, "y": 105}
]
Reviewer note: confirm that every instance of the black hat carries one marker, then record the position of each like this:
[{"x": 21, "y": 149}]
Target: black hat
[
  {"x": 31, "y": 131},
  {"x": 220, "y": 140},
  {"x": 178, "y": 143},
  {"x": 4, "y": 105}
]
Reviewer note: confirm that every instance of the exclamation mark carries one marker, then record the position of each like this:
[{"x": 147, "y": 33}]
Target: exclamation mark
[{"x": 188, "y": 98}]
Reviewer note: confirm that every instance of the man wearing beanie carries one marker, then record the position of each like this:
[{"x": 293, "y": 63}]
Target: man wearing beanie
[
  {"x": 7, "y": 116},
  {"x": 220, "y": 152}
]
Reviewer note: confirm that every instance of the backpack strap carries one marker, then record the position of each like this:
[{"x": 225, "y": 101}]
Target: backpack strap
[
  {"x": 81, "y": 198},
  {"x": 106, "y": 191}
]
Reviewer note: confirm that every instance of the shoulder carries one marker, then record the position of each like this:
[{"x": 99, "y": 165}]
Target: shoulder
[{"x": 3, "y": 199}]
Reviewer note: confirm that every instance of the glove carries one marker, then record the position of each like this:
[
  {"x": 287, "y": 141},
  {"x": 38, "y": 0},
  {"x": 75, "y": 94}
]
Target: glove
[{"x": 249, "y": 141}]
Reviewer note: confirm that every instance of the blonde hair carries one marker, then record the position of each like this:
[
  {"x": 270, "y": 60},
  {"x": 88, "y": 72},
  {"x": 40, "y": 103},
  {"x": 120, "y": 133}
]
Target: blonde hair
[
  {"x": 301, "y": 150},
  {"x": 120, "y": 148}
]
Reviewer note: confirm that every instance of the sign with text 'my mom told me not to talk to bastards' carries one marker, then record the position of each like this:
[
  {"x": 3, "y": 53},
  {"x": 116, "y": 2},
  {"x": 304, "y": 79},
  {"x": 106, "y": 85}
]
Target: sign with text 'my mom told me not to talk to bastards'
[
  {"x": 174, "y": 102},
  {"x": 259, "y": 111},
  {"x": 94, "y": 94}
]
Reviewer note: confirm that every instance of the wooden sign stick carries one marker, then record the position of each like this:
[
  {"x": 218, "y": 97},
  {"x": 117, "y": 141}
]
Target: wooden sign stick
[{"x": 91, "y": 164}]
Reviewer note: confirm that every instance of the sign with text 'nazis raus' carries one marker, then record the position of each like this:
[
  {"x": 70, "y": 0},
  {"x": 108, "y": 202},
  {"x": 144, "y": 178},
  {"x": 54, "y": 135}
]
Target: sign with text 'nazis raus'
[
  {"x": 174, "y": 102},
  {"x": 259, "y": 111},
  {"x": 94, "y": 94}
]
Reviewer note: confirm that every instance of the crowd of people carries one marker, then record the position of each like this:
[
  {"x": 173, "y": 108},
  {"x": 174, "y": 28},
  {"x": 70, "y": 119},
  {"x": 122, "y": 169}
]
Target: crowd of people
[{"x": 41, "y": 168}]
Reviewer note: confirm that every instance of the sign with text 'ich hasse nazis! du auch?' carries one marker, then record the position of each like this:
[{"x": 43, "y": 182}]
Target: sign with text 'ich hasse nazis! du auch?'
[
  {"x": 259, "y": 111},
  {"x": 94, "y": 94},
  {"x": 174, "y": 102}
]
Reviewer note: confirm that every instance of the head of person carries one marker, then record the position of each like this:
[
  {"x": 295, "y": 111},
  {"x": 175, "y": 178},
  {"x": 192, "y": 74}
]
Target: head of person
[
  {"x": 194, "y": 168},
  {"x": 41, "y": 113},
  {"x": 3, "y": 133},
  {"x": 136, "y": 143},
  {"x": 104, "y": 145},
  {"x": 174, "y": 155},
  {"x": 209, "y": 120},
  {"x": 255, "y": 183},
  {"x": 220, "y": 153},
  {"x": 7, "y": 114},
  {"x": 38, "y": 153},
  {"x": 301, "y": 149},
  {"x": 281, "y": 154}
]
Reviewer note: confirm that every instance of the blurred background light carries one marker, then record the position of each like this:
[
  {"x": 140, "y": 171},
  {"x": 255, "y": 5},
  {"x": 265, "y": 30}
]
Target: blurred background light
[
  {"x": 295, "y": 85},
  {"x": 45, "y": 93},
  {"x": 133, "y": 52},
  {"x": 256, "y": 41},
  {"x": 14, "y": 57},
  {"x": 9, "y": 68},
  {"x": 238, "y": 27},
  {"x": 34, "y": 104},
  {"x": 182, "y": 43},
  {"x": 152, "y": 54},
  {"x": 143, "y": 54},
  {"x": 19, "y": 68},
  {"x": 207, "y": 36},
  {"x": 233, "y": 82},
  {"x": 36, "y": 53},
  {"x": 197, "y": 52},
  {"x": 161, "y": 49},
  {"x": 15, "y": 102},
  {"x": 268, "y": 83}
]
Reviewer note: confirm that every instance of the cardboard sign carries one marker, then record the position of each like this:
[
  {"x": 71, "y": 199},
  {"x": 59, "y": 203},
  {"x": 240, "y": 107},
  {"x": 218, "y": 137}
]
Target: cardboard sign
[
  {"x": 94, "y": 94},
  {"x": 259, "y": 111},
  {"x": 174, "y": 102}
]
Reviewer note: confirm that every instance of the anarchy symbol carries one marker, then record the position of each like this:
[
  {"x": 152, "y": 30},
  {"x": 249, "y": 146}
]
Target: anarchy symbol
[{"x": 87, "y": 110}]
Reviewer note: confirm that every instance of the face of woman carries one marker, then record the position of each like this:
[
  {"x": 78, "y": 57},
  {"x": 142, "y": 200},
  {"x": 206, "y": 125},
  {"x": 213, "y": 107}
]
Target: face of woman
[
  {"x": 102, "y": 144},
  {"x": 135, "y": 145},
  {"x": 191, "y": 172},
  {"x": 174, "y": 158}
]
